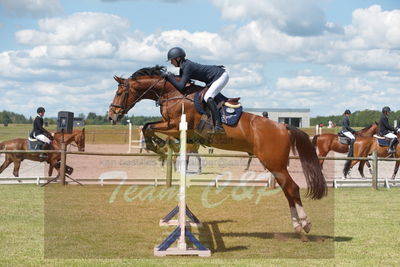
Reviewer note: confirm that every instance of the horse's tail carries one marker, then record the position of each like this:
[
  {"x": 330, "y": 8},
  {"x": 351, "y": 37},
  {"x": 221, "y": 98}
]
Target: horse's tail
[
  {"x": 309, "y": 161},
  {"x": 314, "y": 140}
]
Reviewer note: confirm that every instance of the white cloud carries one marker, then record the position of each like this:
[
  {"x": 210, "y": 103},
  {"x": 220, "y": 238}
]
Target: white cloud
[
  {"x": 296, "y": 18},
  {"x": 304, "y": 82},
  {"x": 81, "y": 53},
  {"x": 373, "y": 28},
  {"x": 31, "y": 8}
]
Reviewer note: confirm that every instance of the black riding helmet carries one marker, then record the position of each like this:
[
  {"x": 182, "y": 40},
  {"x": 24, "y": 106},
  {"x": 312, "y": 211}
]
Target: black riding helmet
[
  {"x": 176, "y": 52},
  {"x": 347, "y": 111},
  {"x": 40, "y": 110},
  {"x": 386, "y": 109}
]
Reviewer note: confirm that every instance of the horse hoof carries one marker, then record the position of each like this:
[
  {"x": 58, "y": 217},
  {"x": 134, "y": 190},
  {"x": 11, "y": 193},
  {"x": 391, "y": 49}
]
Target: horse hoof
[
  {"x": 297, "y": 229},
  {"x": 307, "y": 227}
]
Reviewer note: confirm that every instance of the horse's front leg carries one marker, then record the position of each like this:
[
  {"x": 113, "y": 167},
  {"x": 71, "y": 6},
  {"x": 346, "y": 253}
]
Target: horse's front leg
[{"x": 153, "y": 142}]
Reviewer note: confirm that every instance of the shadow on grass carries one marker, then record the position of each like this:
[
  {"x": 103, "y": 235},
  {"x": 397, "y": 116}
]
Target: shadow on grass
[{"x": 210, "y": 233}]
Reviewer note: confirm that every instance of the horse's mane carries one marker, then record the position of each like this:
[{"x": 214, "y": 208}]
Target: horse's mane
[
  {"x": 366, "y": 128},
  {"x": 156, "y": 70}
]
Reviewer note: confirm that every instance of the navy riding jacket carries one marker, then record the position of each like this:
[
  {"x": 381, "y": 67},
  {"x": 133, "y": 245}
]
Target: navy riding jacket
[
  {"x": 38, "y": 127},
  {"x": 346, "y": 125},
  {"x": 191, "y": 70},
  {"x": 384, "y": 126}
]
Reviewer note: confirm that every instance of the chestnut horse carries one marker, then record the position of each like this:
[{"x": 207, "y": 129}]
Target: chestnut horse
[
  {"x": 78, "y": 136},
  {"x": 329, "y": 141},
  {"x": 269, "y": 141},
  {"x": 78, "y": 140},
  {"x": 363, "y": 147}
]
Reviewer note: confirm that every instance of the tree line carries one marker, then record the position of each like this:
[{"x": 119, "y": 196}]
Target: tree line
[
  {"x": 357, "y": 119},
  {"x": 7, "y": 117},
  {"x": 361, "y": 118}
]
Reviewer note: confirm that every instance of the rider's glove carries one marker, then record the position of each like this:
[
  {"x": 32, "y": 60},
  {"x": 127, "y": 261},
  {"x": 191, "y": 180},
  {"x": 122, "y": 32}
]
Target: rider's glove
[{"x": 165, "y": 74}]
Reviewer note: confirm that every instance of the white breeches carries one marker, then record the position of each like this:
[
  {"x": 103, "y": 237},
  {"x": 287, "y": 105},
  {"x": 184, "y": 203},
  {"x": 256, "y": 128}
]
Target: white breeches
[
  {"x": 43, "y": 138},
  {"x": 390, "y": 135},
  {"x": 349, "y": 135},
  {"x": 217, "y": 86}
]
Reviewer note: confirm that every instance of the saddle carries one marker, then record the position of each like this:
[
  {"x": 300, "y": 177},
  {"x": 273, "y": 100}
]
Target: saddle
[
  {"x": 382, "y": 141},
  {"x": 34, "y": 144},
  {"x": 230, "y": 109},
  {"x": 344, "y": 140}
]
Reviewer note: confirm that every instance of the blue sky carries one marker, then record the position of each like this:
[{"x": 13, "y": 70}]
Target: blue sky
[{"x": 326, "y": 55}]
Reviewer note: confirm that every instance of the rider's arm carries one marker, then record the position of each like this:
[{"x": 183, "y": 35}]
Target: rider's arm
[
  {"x": 181, "y": 84},
  {"x": 346, "y": 125},
  {"x": 387, "y": 125}
]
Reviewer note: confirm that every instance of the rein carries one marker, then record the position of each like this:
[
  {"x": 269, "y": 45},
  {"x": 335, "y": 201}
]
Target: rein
[
  {"x": 159, "y": 101},
  {"x": 126, "y": 94}
]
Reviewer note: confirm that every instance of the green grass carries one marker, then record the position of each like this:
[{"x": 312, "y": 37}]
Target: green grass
[
  {"x": 95, "y": 134},
  {"x": 95, "y": 226}
]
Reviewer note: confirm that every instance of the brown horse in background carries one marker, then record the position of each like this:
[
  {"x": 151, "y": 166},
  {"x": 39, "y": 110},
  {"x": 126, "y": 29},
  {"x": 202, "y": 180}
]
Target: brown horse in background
[
  {"x": 77, "y": 136},
  {"x": 329, "y": 141},
  {"x": 363, "y": 147},
  {"x": 269, "y": 141}
]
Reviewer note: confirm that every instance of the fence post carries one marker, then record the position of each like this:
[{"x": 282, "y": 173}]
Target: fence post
[
  {"x": 63, "y": 163},
  {"x": 94, "y": 136},
  {"x": 130, "y": 136},
  {"x": 375, "y": 169},
  {"x": 169, "y": 166},
  {"x": 272, "y": 181}
]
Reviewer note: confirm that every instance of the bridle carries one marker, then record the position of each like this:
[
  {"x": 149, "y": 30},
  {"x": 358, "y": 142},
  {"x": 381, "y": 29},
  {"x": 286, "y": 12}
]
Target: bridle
[{"x": 124, "y": 107}]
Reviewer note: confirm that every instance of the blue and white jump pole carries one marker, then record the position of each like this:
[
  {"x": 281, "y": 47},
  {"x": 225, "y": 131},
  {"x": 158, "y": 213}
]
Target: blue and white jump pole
[{"x": 181, "y": 232}]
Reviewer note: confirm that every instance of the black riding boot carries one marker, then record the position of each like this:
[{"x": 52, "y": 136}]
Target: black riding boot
[
  {"x": 42, "y": 146},
  {"x": 215, "y": 116},
  {"x": 392, "y": 146},
  {"x": 351, "y": 148}
]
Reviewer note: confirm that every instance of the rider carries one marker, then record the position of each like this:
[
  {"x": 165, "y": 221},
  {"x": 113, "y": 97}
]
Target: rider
[
  {"x": 386, "y": 130},
  {"x": 347, "y": 130},
  {"x": 265, "y": 114},
  {"x": 215, "y": 78},
  {"x": 39, "y": 132}
]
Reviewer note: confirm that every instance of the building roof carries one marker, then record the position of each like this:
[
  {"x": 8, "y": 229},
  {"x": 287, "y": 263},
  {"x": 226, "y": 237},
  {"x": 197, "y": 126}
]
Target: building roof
[{"x": 277, "y": 109}]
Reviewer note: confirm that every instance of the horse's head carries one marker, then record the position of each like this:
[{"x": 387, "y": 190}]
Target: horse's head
[
  {"x": 118, "y": 107},
  {"x": 369, "y": 131},
  {"x": 143, "y": 84},
  {"x": 79, "y": 139}
]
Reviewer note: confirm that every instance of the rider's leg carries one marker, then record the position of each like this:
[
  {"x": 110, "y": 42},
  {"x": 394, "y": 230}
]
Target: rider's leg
[
  {"x": 351, "y": 145},
  {"x": 392, "y": 146},
  {"x": 45, "y": 141},
  {"x": 215, "y": 116},
  {"x": 393, "y": 142},
  {"x": 214, "y": 89}
]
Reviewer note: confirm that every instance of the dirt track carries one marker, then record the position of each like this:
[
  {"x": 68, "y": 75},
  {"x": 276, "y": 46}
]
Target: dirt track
[{"x": 93, "y": 167}]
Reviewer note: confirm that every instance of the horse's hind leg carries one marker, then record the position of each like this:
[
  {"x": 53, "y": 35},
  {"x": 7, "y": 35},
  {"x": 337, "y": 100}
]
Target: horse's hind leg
[
  {"x": 292, "y": 193},
  {"x": 361, "y": 168},
  {"x": 5, "y": 164},
  {"x": 396, "y": 168}
]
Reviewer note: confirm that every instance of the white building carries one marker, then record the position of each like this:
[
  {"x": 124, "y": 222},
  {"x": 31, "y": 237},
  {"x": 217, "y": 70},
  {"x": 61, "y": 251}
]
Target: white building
[{"x": 299, "y": 117}]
